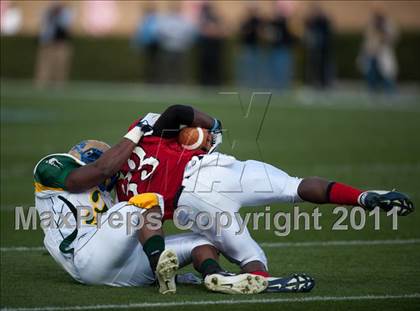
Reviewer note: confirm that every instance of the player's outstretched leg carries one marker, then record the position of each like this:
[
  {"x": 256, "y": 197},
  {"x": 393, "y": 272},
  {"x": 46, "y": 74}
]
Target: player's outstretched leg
[
  {"x": 318, "y": 190},
  {"x": 166, "y": 269}
]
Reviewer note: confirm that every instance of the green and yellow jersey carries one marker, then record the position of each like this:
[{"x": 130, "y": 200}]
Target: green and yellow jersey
[
  {"x": 51, "y": 172},
  {"x": 54, "y": 204}
]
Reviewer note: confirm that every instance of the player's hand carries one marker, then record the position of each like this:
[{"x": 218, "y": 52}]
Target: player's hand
[{"x": 145, "y": 127}]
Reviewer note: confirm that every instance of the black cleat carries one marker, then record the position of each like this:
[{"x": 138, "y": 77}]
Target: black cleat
[
  {"x": 387, "y": 200},
  {"x": 297, "y": 283}
]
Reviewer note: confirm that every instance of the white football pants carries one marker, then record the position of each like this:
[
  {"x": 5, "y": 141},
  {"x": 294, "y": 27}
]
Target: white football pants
[
  {"x": 114, "y": 256},
  {"x": 219, "y": 183}
]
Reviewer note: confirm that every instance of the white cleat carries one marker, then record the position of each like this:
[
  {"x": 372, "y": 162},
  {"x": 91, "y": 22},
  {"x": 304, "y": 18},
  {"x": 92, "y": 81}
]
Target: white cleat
[
  {"x": 235, "y": 284},
  {"x": 166, "y": 270}
]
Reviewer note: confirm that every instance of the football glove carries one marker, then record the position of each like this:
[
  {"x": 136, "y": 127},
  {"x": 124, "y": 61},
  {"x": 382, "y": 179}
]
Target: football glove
[
  {"x": 145, "y": 127},
  {"x": 142, "y": 128}
]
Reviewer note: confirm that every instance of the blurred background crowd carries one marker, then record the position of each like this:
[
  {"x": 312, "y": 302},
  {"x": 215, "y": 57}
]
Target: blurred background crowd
[{"x": 254, "y": 44}]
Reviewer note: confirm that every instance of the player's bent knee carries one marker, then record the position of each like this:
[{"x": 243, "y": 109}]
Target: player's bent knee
[
  {"x": 258, "y": 256},
  {"x": 244, "y": 254}
]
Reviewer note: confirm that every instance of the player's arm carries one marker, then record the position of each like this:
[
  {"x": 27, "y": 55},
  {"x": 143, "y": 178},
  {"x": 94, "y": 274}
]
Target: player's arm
[
  {"x": 175, "y": 116},
  {"x": 93, "y": 174}
]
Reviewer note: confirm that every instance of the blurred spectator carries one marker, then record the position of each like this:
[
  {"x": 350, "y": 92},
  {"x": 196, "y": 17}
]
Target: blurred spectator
[
  {"x": 210, "y": 46},
  {"x": 175, "y": 37},
  {"x": 54, "y": 53},
  {"x": 100, "y": 16},
  {"x": 146, "y": 40},
  {"x": 377, "y": 58},
  {"x": 318, "y": 48},
  {"x": 250, "y": 55},
  {"x": 280, "y": 64},
  {"x": 11, "y": 18}
]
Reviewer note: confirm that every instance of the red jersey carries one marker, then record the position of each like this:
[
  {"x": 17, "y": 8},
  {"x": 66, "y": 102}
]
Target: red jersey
[{"x": 156, "y": 165}]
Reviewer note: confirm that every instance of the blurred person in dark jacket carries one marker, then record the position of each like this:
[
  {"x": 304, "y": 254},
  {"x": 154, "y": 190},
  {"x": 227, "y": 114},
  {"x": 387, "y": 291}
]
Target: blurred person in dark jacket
[
  {"x": 55, "y": 49},
  {"x": 249, "y": 67},
  {"x": 210, "y": 46},
  {"x": 146, "y": 41},
  {"x": 279, "y": 68},
  {"x": 377, "y": 57},
  {"x": 318, "y": 48}
]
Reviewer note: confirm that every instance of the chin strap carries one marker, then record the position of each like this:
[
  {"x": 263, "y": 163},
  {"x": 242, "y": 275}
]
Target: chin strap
[
  {"x": 216, "y": 141},
  {"x": 217, "y": 137}
]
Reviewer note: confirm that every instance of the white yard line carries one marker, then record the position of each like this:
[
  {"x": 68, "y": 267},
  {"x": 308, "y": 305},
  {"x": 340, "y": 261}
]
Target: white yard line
[
  {"x": 339, "y": 243},
  {"x": 270, "y": 245},
  {"x": 22, "y": 249},
  {"x": 217, "y": 302}
]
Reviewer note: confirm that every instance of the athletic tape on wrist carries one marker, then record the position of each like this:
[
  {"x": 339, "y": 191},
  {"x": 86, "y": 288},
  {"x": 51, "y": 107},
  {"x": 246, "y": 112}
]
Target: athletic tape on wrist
[{"x": 135, "y": 134}]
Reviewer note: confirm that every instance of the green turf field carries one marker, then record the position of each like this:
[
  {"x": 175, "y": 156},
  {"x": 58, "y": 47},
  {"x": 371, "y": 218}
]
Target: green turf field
[{"x": 371, "y": 142}]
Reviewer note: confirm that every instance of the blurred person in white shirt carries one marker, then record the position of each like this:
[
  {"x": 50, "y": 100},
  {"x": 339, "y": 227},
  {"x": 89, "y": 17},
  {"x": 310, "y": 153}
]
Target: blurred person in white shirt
[
  {"x": 377, "y": 57},
  {"x": 11, "y": 18},
  {"x": 176, "y": 35}
]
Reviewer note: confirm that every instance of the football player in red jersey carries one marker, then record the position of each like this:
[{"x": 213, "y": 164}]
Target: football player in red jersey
[
  {"x": 165, "y": 172},
  {"x": 194, "y": 181}
]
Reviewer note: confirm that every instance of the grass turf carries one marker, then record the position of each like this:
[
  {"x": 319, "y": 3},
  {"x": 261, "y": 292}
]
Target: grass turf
[{"x": 370, "y": 142}]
